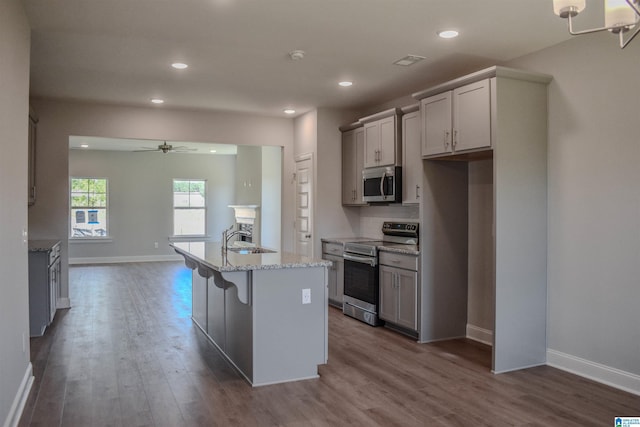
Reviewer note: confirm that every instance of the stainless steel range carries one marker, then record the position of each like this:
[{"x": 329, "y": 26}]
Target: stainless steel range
[{"x": 361, "y": 279}]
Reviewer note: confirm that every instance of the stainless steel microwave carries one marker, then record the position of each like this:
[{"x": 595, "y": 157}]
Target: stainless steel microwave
[{"x": 382, "y": 184}]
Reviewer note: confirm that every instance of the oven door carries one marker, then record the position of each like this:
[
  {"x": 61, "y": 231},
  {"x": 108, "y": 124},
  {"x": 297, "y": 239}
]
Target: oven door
[{"x": 361, "y": 282}]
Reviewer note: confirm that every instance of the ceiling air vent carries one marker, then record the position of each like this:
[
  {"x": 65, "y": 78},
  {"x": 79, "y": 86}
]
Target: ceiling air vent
[{"x": 409, "y": 60}]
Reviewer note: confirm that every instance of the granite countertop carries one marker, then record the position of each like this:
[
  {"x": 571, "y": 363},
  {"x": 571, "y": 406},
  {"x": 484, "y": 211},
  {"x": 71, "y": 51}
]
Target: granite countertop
[
  {"x": 343, "y": 240},
  {"x": 210, "y": 254},
  {"x": 42, "y": 245},
  {"x": 400, "y": 249}
]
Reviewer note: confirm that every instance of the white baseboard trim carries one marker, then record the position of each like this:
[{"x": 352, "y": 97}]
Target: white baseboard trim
[
  {"x": 485, "y": 336},
  {"x": 63, "y": 303},
  {"x": 613, "y": 377},
  {"x": 125, "y": 259},
  {"x": 15, "y": 412}
]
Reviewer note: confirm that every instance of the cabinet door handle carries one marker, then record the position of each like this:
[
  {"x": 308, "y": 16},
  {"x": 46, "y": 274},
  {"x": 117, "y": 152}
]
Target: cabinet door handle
[
  {"x": 455, "y": 139},
  {"x": 417, "y": 193},
  {"x": 446, "y": 139}
]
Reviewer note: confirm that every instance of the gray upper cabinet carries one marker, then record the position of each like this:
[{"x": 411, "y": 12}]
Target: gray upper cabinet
[
  {"x": 382, "y": 139},
  {"x": 352, "y": 164},
  {"x": 457, "y": 121},
  {"x": 411, "y": 157},
  {"x": 472, "y": 116}
]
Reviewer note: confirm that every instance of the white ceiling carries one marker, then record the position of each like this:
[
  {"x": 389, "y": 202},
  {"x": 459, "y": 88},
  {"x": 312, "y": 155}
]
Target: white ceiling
[{"x": 120, "y": 51}]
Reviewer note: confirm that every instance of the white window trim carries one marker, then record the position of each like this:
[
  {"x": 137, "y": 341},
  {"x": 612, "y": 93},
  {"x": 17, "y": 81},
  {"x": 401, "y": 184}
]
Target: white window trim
[
  {"x": 189, "y": 237},
  {"x": 89, "y": 239}
]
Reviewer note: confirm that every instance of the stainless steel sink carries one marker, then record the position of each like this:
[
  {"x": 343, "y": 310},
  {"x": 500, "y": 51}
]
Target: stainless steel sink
[{"x": 245, "y": 251}]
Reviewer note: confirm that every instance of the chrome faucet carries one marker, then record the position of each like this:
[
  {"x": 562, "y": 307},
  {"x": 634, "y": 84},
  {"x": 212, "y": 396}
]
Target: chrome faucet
[{"x": 229, "y": 233}]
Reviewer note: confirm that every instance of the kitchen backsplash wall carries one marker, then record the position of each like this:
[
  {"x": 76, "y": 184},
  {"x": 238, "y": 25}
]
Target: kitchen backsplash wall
[{"x": 372, "y": 217}]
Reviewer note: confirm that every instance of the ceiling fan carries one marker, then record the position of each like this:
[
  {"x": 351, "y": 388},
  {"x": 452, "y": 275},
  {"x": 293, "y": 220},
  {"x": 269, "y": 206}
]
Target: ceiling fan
[{"x": 167, "y": 148}]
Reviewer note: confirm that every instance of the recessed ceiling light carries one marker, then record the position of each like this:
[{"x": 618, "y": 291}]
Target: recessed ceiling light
[
  {"x": 212, "y": 151},
  {"x": 448, "y": 34},
  {"x": 84, "y": 145},
  {"x": 289, "y": 111},
  {"x": 157, "y": 101},
  {"x": 345, "y": 84},
  {"x": 179, "y": 65}
]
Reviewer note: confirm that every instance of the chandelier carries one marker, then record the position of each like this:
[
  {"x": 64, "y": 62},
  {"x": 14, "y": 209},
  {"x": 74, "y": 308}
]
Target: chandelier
[{"x": 620, "y": 17}]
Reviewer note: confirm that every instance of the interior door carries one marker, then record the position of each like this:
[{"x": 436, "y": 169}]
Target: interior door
[{"x": 304, "y": 206}]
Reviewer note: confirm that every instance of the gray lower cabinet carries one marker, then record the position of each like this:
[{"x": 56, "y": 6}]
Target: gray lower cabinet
[
  {"x": 44, "y": 284},
  {"x": 333, "y": 252},
  {"x": 399, "y": 290},
  {"x": 199, "y": 300},
  {"x": 258, "y": 321}
]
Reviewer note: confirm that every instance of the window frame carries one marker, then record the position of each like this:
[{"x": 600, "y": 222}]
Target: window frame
[
  {"x": 107, "y": 236},
  {"x": 204, "y": 208}
]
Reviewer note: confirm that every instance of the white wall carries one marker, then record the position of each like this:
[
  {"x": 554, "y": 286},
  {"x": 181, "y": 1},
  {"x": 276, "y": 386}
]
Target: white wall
[
  {"x": 593, "y": 205},
  {"x": 140, "y": 198},
  {"x": 15, "y": 368},
  {"x": 59, "y": 120}
]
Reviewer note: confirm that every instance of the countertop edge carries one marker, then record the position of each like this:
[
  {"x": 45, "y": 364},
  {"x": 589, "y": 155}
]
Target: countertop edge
[{"x": 251, "y": 267}]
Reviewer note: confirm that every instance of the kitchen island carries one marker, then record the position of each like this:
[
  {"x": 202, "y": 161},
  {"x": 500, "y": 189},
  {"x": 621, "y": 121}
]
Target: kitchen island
[{"x": 266, "y": 312}]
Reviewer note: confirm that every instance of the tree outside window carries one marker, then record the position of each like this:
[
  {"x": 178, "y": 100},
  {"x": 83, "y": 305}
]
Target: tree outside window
[
  {"x": 189, "y": 207},
  {"x": 88, "y": 207}
]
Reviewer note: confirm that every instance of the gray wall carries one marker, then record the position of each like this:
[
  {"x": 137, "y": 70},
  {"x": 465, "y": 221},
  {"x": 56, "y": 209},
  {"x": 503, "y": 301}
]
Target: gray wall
[
  {"x": 481, "y": 300},
  {"x": 15, "y": 368},
  {"x": 140, "y": 198},
  {"x": 271, "y": 207},
  {"x": 317, "y": 132},
  {"x": 59, "y": 120},
  {"x": 593, "y": 203}
]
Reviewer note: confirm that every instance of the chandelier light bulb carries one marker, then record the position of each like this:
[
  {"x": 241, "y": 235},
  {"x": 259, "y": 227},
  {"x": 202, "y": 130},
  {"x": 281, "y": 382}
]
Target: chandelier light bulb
[
  {"x": 618, "y": 13},
  {"x": 564, "y": 8}
]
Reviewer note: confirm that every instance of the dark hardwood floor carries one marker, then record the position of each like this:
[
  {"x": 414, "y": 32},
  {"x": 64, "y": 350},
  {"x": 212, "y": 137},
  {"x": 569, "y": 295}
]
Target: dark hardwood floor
[{"x": 127, "y": 354}]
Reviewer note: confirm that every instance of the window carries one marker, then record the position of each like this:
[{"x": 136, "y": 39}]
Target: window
[
  {"x": 88, "y": 199},
  {"x": 189, "y": 207}
]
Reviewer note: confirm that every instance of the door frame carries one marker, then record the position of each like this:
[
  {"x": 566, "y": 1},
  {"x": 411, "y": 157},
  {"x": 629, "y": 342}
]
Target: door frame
[{"x": 299, "y": 158}]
